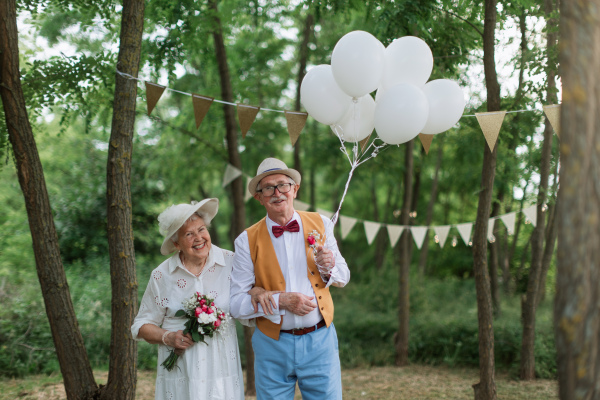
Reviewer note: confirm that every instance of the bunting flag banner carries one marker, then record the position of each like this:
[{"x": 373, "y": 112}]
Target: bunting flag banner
[
  {"x": 465, "y": 231},
  {"x": 231, "y": 173},
  {"x": 531, "y": 214},
  {"x": 363, "y": 143},
  {"x": 153, "y": 93},
  {"x": 371, "y": 229},
  {"x": 347, "y": 223},
  {"x": 295, "y": 123},
  {"x": 490, "y": 124},
  {"x": 442, "y": 233},
  {"x": 246, "y": 116},
  {"x": 418, "y": 233},
  {"x": 201, "y": 106},
  {"x": 301, "y": 206},
  {"x": 490, "y": 233},
  {"x": 247, "y": 195},
  {"x": 394, "y": 232},
  {"x": 509, "y": 221},
  {"x": 326, "y": 213},
  {"x": 553, "y": 114},
  {"x": 426, "y": 142}
]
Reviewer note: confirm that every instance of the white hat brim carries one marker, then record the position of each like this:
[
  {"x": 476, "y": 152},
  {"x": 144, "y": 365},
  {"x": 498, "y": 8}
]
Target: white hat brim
[{"x": 292, "y": 173}]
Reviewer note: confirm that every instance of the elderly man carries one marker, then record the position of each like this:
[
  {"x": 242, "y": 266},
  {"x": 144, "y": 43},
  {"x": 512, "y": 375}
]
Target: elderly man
[{"x": 293, "y": 255}]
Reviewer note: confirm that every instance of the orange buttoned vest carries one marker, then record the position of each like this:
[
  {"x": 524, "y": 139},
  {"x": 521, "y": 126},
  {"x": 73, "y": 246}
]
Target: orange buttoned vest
[{"x": 268, "y": 272}]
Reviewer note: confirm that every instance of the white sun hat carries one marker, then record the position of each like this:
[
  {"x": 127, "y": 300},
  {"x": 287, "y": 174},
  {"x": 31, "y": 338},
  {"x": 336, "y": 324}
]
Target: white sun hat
[
  {"x": 272, "y": 166},
  {"x": 173, "y": 218}
]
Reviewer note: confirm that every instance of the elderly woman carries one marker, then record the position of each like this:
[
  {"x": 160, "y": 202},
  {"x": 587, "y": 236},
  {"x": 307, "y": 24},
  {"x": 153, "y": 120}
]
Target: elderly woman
[{"x": 202, "y": 371}]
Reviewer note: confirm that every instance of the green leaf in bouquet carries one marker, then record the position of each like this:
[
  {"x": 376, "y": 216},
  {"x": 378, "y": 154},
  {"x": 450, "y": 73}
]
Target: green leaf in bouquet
[
  {"x": 180, "y": 313},
  {"x": 196, "y": 336}
]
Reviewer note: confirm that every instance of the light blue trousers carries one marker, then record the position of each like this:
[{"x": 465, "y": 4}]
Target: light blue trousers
[{"x": 312, "y": 359}]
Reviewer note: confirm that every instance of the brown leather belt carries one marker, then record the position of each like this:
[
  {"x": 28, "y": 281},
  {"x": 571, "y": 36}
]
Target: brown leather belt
[{"x": 304, "y": 331}]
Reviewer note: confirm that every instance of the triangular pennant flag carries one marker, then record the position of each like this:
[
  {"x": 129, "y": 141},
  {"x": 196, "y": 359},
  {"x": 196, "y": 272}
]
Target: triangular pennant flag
[
  {"x": 247, "y": 195},
  {"x": 295, "y": 124},
  {"x": 465, "y": 231},
  {"x": 153, "y": 93},
  {"x": 442, "y": 233},
  {"x": 201, "y": 106},
  {"x": 301, "y": 206},
  {"x": 553, "y": 114},
  {"x": 394, "y": 232},
  {"x": 246, "y": 116},
  {"x": 418, "y": 233},
  {"x": 371, "y": 229},
  {"x": 347, "y": 223},
  {"x": 326, "y": 213},
  {"x": 363, "y": 143},
  {"x": 426, "y": 142},
  {"x": 231, "y": 173},
  {"x": 509, "y": 221},
  {"x": 531, "y": 214},
  {"x": 490, "y": 124},
  {"x": 490, "y": 233}
]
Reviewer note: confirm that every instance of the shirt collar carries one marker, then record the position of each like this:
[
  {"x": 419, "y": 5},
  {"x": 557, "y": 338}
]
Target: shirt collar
[
  {"x": 271, "y": 223},
  {"x": 215, "y": 257}
]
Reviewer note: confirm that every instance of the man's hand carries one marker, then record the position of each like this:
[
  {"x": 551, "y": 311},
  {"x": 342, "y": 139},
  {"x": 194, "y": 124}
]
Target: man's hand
[
  {"x": 296, "y": 303},
  {"x": 264, "y": 298},
  {"x": 325, "y": 260}
]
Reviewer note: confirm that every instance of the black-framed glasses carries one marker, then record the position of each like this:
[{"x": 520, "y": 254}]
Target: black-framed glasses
[{"x": 270, "y": 190}]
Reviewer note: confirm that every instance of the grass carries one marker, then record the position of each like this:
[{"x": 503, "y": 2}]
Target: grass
[{"x": 375, "y": 383}]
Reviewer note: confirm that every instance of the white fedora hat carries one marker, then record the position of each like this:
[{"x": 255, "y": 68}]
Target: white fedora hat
[
  {"x": 173, "y": 218},
  {"x": 272, "y": 166}
]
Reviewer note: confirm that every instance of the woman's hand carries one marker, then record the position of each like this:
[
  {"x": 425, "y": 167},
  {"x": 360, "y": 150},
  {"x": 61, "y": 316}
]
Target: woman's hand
[
  {"x": 179, "y": 341},
  {"x": 264, "y": 298}
]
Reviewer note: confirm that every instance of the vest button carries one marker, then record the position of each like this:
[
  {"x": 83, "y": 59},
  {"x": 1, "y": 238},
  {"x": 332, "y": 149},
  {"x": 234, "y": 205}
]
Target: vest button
[
  {"x": 316, "y": 285},
  {"x": 319, "y": 297},
  {"x": 322, "y": 308}
]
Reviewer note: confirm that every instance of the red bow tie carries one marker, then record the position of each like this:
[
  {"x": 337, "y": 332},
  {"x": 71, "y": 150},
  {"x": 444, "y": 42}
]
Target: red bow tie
[{"x": 291, "y": 227}]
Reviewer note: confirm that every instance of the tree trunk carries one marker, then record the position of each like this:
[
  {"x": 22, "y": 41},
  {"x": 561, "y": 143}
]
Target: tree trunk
[
  {"x": 70, "y": 350},
  {"x": 404, "y": 261},
  {"x": 238, "y": 223},
  {"x": 527, "y": 368},
  {"x": 576, "y": 316},
  {"x": 123, "y": 349},
  {"x": 302, "y": 61},
  {"x": 430, "y": 206},
  {"x": 486, "y": 388},
  {"x": 493, "y": 259}
]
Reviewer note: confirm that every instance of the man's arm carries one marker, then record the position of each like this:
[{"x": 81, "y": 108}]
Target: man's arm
[
  {"x": 242, "y": 281},
  {"x": 338, "y": 274}
]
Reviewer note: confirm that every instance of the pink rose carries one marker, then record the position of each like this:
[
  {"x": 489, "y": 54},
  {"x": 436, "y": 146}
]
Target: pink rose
[
  {"x": 210, "y": 311},
  {"x": 217, "y": 323},
  {"x": 202, "y": 302},
  {"x": 204, "y": 308},
  {"x": 212, "y": 304},
  {"x": 198, "y": 311},
  {"x": 311, "y": 240}
]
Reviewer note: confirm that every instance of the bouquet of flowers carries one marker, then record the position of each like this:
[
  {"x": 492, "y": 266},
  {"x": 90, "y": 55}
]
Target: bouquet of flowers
[{"x": 203, "y": 319}]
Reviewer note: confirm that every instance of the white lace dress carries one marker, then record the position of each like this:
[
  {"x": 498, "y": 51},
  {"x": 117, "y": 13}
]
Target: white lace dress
[{"x": 210, "y": 371}]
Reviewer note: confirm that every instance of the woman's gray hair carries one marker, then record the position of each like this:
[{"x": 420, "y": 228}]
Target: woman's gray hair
[
  {"x": 291, "y": 181},
  {"x": 193, "y": 217}
]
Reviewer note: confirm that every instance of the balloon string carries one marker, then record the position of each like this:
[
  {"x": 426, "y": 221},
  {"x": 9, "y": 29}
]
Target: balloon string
[{"x": 337, "y": 213}]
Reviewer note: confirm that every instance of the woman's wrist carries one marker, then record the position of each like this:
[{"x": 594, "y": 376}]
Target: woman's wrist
[{"x": 164, "y": 336}]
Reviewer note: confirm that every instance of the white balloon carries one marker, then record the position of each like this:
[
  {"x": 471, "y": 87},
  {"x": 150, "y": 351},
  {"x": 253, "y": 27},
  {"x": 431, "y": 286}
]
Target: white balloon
[
  {"x": 401, "y": 113},
  {"x": 322, "y": 97},
  {"x": 380, "y": 91},
  {"x": 358, "y": 123},
  {"x": 446, "y": 105},
  {"x": 357, "y": 62},
  {"x": 407, "y": 60}
]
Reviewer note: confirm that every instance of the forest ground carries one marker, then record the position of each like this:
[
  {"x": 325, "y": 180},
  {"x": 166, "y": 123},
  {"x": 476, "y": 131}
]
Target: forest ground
[{"x": 412, "y": 382}]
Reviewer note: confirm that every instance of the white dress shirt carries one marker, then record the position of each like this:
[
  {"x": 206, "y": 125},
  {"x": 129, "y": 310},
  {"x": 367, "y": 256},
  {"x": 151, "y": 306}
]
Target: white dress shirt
[{"x": 290, "y": 249}]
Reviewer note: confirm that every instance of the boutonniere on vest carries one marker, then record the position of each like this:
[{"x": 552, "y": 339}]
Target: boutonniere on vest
[{"x": 313, "y": 240}]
